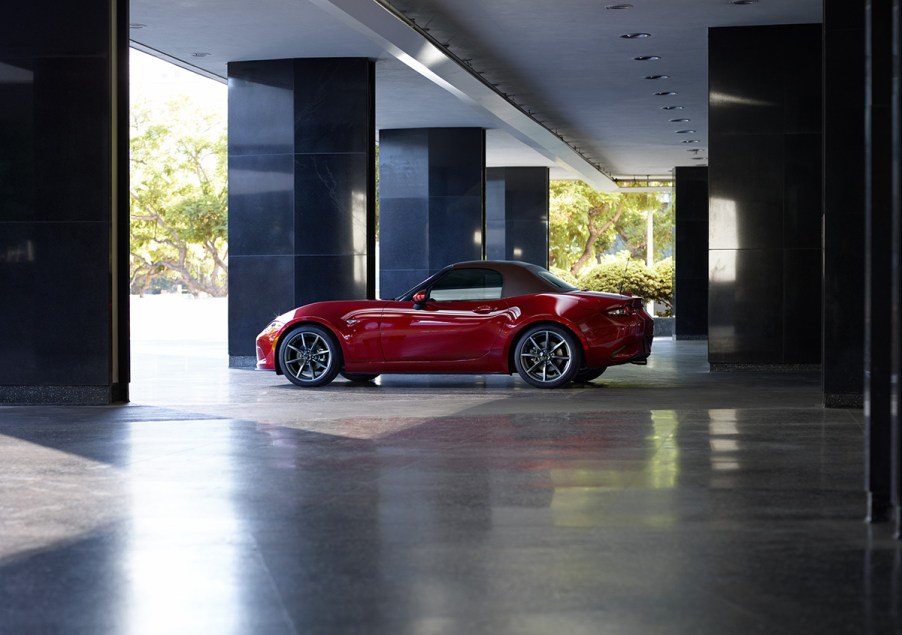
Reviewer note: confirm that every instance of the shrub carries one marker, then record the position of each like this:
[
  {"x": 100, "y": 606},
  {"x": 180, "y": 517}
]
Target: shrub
[
  {"x": 619, "y": 274},
  {"x": 565, "y": 275},
  {"x": 663, "y": 284},
  {"x": 622, "y": 274}
]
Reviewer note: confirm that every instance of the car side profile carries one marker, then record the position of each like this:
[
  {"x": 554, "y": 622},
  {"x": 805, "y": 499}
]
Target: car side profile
[{"x": 477, "y": 317}]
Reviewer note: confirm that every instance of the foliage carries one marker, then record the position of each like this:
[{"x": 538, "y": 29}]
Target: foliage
[
  {"x": 585, "y": 222},
  {"x": 622, "y": 274},
  {"x": 634, "y": 235},
  {"x": 618, "y": 274},
  {"x": 662, "y": 290},
  {"x": 565, "y": 275},
  {"x": 179, "y": 208}
]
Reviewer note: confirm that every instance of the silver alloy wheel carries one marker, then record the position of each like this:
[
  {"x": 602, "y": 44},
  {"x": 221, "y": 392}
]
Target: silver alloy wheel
[
  {"x": 546, "y": 358},
  {"x": 309, "y": 357}
]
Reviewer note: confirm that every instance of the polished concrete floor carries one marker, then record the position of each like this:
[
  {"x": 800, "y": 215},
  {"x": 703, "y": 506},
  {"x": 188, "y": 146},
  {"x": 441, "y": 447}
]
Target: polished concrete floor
[{"x": 659, "y": 499}]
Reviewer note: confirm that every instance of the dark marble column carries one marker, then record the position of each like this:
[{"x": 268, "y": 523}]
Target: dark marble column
[
  {"x": 64, "y": 203},
  {"x": 765, "y": 187},
  {"x": 843, "y": 363},
  {"x": 301, "y": 189},
  {"x": 896, "y": 180},
  {"x": 690, "y": 296},
  {"x": 431, "y": 192},
  {"x": 516, "y": 214},
  {"x": 881, "y": 302}
]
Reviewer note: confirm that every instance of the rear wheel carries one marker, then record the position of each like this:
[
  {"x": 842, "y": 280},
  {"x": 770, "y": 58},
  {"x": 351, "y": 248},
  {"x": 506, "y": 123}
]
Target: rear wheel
[
  {"x": 547, "y": 356},
  {"x": 309, "y": 356},
  {"x": 360, "y": 377}
]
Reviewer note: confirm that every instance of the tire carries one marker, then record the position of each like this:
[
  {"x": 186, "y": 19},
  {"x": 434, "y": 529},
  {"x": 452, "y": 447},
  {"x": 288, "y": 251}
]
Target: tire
[
  {"x": 309, "y": 356},
  {"x": 588, "y": 374},
  {"x": 360, "y": 377},
  {"x": 547, "y": 356}
]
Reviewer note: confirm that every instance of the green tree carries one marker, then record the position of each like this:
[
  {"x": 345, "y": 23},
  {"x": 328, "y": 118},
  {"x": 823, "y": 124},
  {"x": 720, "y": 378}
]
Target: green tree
[
  {"x": 634, "y": 235},
  {"x": 179, "y": 208},
  {"x": 585, "y": 222}
]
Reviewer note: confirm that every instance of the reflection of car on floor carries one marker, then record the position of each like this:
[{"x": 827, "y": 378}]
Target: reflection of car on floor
[{"x": 470, "y": 317}]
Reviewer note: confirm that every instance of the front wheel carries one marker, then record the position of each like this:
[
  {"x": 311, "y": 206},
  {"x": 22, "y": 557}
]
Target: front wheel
[
  {"x": 547, "y": 356},
  {"x": 309, "y": 356}
]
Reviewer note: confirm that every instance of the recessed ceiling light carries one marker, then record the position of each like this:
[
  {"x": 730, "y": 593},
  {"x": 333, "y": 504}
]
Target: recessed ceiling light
[
  {"x": 699, "y": 159},
  {"x": 665, "y": 93},
  {"x": 136, "y": 25},
  {"x": 619, "y": 6},
  {"x": 200, "y": 54},
  {"x": 743, "y": 1},
  {"x": 671, "y": 107},
  {"x": 635, "y": 36},
  {"x": 657, "y": 77},
  {"x": 685, "y": 131},
  {"x": 690, "y": 141},
  {"x": 647, "y": 58},
  {"x": 679, "y": 120}
]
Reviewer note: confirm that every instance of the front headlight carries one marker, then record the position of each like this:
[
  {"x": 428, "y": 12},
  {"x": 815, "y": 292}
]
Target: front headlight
[{"x": 271, "y": 328}]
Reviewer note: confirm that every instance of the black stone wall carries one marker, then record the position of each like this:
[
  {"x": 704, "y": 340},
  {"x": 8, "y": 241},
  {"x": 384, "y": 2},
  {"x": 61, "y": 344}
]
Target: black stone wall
[
  {"x": 690, "y": 304},
  {"x": 516, "y": 214},
  {"x": 431, "y": 192},
  {"x": 301, "y": 189},
  {"x": 64, "y": 203},
  {"x": 844, "y": 208},
  {"x": 765, "y": 205}
]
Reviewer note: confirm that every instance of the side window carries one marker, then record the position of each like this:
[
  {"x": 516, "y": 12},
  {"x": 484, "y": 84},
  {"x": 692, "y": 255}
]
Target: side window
[{"x": 467, "y": 284}]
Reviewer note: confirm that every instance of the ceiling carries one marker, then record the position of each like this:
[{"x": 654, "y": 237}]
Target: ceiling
[{"x": 554, "y": 83}]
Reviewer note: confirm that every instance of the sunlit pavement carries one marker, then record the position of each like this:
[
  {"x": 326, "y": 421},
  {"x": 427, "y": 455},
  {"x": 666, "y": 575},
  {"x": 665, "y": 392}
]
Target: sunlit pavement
[{"x": 658, "y": 499}]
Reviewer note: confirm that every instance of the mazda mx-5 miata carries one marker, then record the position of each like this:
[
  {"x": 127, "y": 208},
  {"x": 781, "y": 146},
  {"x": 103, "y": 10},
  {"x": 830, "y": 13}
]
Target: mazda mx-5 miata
[{"x": 470, "y": 317}]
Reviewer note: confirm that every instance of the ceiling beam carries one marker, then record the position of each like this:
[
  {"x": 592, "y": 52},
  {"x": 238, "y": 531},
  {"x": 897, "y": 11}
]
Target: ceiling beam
[{"x": 412, "y": 46}]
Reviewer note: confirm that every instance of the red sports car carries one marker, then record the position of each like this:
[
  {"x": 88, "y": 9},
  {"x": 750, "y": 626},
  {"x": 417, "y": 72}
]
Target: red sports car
[{"x": 470, "y": 317}]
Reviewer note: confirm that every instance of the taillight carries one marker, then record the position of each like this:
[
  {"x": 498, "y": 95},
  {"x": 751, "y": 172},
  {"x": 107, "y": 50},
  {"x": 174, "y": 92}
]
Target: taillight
[
  {"x": 632, "y": 307},
  {"x": 621, "y": 310}
]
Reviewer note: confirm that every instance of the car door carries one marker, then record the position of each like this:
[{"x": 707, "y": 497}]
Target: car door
[{"x": 459, "y": 320}]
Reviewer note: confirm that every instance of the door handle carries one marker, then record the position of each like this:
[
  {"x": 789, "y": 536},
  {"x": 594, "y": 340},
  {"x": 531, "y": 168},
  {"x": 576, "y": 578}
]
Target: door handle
[{"x": 483, "y": 310}]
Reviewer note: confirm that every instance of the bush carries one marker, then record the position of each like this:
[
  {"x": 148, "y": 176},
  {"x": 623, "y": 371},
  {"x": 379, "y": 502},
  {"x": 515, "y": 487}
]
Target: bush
[
  {"x": 565, "y": 275},
  {"x": 663, "y": 284},
  {"x": 621, "y": 274}
]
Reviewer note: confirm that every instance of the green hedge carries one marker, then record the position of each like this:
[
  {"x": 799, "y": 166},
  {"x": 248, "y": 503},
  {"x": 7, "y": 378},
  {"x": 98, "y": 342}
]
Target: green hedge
[
  {"x": 565, "y": 275},
  {"x": 621, "y": 274}
]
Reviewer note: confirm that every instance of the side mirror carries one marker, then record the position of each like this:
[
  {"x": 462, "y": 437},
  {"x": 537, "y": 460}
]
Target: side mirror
[{"x": 419, "y": 299}]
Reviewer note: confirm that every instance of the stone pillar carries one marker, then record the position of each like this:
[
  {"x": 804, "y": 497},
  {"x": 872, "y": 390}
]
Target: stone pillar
[
  {"x": 844, "y": 221},
  {"x": 301, "y": 189},
  {"x": 881, "y": 297},
  {"x": 690, "y": 294},
  {"x": 765, "y": 185},
  {"x": 431, "y": 192},
  {"x": 516, "y": 214},
  {"x": 64, "y": 203}
]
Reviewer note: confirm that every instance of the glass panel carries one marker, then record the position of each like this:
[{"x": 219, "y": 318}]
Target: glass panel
[{"x": 468, "y": 284}]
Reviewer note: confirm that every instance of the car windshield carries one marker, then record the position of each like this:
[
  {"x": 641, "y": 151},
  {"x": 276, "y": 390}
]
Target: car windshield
[{"x": 553, "y": 279}]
